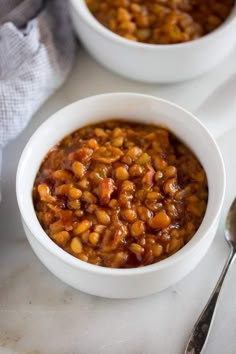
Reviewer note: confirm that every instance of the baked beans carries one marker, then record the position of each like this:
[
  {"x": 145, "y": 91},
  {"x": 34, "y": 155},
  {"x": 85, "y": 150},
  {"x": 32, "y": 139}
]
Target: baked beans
[
  {"x": 120, "y": 194},
  {"x": 161, "y": 21}
]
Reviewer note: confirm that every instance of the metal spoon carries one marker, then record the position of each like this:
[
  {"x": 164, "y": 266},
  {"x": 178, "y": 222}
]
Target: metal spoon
[{"x": 201, "y": 329}]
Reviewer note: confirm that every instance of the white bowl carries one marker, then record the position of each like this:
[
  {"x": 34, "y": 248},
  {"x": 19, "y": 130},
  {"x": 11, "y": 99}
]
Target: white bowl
[
  {"x": 152, "y": 63},
  {"x": 108, "y": 282}
]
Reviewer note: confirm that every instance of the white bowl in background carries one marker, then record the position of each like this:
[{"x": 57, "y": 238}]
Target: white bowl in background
[
  {"x": 108, "y": 282},
  {"x": 152, "y": 63}
]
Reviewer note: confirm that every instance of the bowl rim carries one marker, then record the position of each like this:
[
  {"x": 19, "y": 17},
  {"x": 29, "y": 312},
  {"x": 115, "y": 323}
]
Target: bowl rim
[
  {"x": 81, "y": 7},
  {"x": 36, "y": 229}
]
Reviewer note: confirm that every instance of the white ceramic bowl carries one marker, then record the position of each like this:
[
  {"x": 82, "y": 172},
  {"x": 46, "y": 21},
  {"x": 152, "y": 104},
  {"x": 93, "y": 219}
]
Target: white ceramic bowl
[
  {"x": 108, "y": 282},
  {"x": 152, "y": 63}
]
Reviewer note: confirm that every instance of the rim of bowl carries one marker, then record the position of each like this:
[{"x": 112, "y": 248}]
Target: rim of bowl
[
  {"x": 82, "y": 9},
  {"x": 36, "y": 229}
]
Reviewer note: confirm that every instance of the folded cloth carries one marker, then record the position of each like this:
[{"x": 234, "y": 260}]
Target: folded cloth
[{"x": 37, "y": 48}]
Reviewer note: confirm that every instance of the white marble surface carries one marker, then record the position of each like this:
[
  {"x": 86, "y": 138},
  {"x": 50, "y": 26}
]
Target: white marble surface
[{"x": 41, "y": 315}]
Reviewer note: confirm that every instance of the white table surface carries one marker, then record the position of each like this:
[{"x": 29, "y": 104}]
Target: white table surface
[{"x": 41, "y": 315}]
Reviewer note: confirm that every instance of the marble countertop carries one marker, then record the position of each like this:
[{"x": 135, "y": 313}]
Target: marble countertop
[{"x": 41, "y": 315}]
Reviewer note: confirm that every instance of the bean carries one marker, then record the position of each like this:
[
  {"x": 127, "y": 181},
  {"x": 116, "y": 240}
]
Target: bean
[
  {"x": 157, "y": 250},
  {"x": 100, "y": 133},
  {"x": 128, "y": 26},
  {"x": 56, "y": 227},
  {"x": 83, "y": 257},
  {"x": 99, "y": 228},
  {"x": 134, "y": 152},
  {"x": 121, "y": 173},
  {"x": 160, "y": 221},
  {"x": 158, "y": 176},
  {"x": 103, "y": 217},
  {"x": 151, "y": 240},
  {"x": 136, "y": 170},
  {"x": 142, "y": 241},
  {"x": 91, "y": 208},
  {"x": 153, "y": 205},
  {"x": 124, "y": 200},
  {"x": 82, "y": 227},
  {"x": 78, "y": 169},
  {"x": 123, "y": 15},
  {"x": 159, "y": 163},
  {"x": 93, "y": 144},
  {"x": 79, "y": 213},
  {"x": 83, "y": 183},
  {"x": 63, "y": 189},
  {"x": 113, "y": 24},
  {"x": 171, "y": 187},
  {"x": 76, "y": 245},
  {"x": 143, "y": 34},
  {"x": 128, "y": 187},
  {"x": 119, "y": 260},
  {"x": 137, "y": 228},
  {"x": 61, "y": 238},
  {"x": 136, "y": 8},
  {"x": 117, "y": 132},
  {"x": 131, "y": 37},
  {"x": 154, "y": 196},
  {"x": 175, "y": 233},
  {"x": 144, "y": 159},
  {"x": 171, "y": 210},
  {"x": 121, "y": 3},
  {"x": 118, "y": 142},
  {"x": 85, "y": 237},
  {"x": 136, "y": 248},
  {"x": 94, "y": 238},
  {"x": 45, "y": 193},
  {"x": 143, "y": 21},
  {"x": 170, "y": 171},
  {"x": 174, "y": 245},
  {"x": 62, "y": 175},
  {"x": 74, "y": 204},
  {"x": 144, "y": 213},
  {"x": 107, "y": 155},
  {"x": 113, "y": 204},
  {"x": 88, "y": 197},
  {"x": 196, "y": 208},
  {"x": 129, "y": 215}
]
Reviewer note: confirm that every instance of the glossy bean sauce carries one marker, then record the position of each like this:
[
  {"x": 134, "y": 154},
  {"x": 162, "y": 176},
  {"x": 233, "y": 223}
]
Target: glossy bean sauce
[
  {"x": 121, "y": 195},
  {"x": 161, "y": 21}
]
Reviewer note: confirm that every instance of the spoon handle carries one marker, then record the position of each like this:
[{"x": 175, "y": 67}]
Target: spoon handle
[
  {"x": 201, "y": 329},
  {"x": 0, "y": 174}
]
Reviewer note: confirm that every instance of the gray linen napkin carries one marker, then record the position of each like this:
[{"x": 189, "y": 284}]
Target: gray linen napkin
[
  {"x": 36, "y": 55},
  {"x": 37, "y": 49}
]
